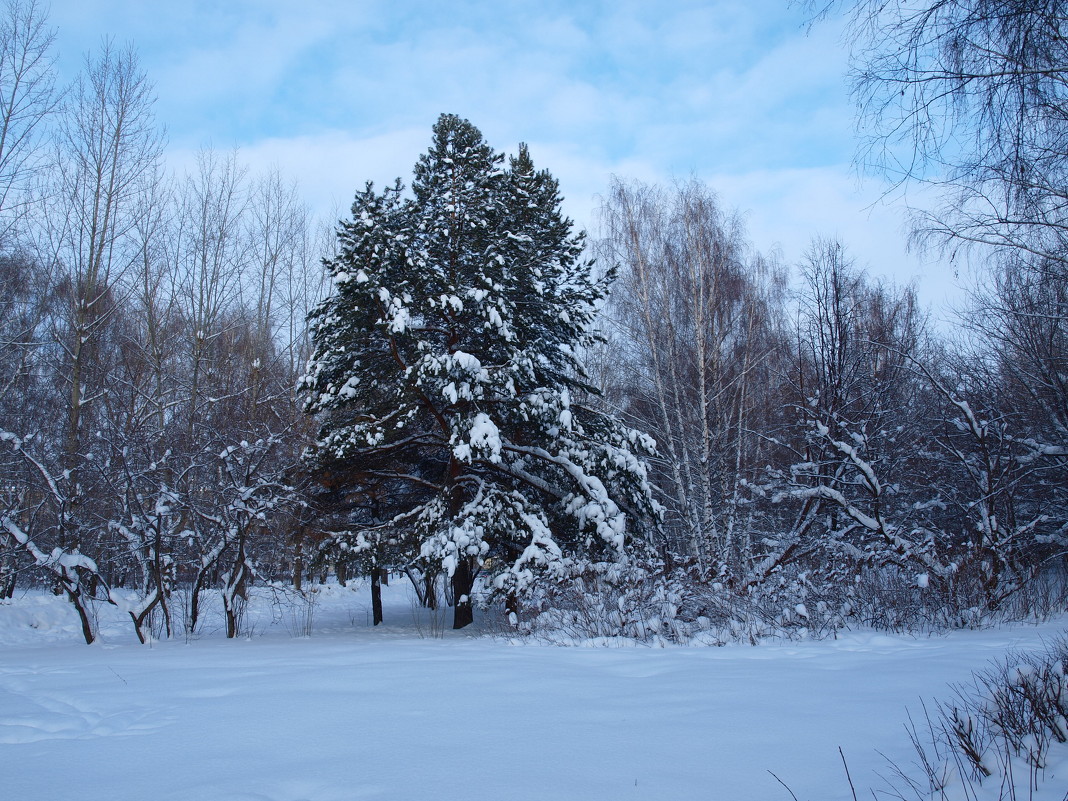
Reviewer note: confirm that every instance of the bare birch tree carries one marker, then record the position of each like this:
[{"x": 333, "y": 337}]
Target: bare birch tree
[
  {"x": 27, "y": 98},
  {"x": 107, "y": 149},
  {"x": 694, "y": 311}
]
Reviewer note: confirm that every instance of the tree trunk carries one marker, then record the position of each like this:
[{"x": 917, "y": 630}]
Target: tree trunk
[
  {"x": 376, "y": 595},
  {"x": 463, "y": 581},
  {"x": 235, "y": 592},
  {"x": 298, "y": 565},
  {"x": 430, "y": 591},
  {"x": 75, "y": 596},
  {"x": 8, "y": 575},
  {"x": 194, "y": 600},
  {"x": 511, "y": 609}
]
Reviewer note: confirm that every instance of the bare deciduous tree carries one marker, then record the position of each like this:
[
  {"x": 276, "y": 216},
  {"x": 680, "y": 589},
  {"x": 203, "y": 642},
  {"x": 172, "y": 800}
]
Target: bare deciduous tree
[
  {"x": 27, "y": 98},
  {"x": 107, "y": 150},
  {"x": 970, "y": 97},
  {"x": 693, "y": 315}
]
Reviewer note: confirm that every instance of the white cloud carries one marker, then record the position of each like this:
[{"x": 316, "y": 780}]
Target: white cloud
[
  {"x": 784, "y": 208},
  {"x": 330, "y": 166},
  {"x": 787, "y": 208},
  {"x": 334, "y": 93}
]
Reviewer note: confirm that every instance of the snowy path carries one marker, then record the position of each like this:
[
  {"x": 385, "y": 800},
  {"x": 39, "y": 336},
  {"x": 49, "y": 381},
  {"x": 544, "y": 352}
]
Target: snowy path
[{"x": 386, "y": 715}]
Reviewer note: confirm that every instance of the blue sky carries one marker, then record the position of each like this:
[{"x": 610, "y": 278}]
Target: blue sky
[{"x": 334, "y": 92}]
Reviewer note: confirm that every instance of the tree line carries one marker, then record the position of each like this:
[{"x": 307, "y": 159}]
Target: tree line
[
  {"x": 153, "y": 327},
  {"x": 657, "y": 431},
  {"x": 822, "y": 437}
]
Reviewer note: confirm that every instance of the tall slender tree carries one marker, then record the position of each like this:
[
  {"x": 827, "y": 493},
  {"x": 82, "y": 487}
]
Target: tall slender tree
[{"x": 27, "y": 98}]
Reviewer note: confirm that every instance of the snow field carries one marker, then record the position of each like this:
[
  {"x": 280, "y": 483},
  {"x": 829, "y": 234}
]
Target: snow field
[{"x": 355, "y": 712}]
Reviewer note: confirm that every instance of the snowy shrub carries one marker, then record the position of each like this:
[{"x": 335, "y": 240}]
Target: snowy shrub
[
  {"x": 1005, "y": 736},
  {"x": 648, "y": 603},
  {"x": 294, "y": 608},
  {"x": 654, "y": 602},
  {"x": 430, "y": 620},
  {"x": 608, "y": 602}
]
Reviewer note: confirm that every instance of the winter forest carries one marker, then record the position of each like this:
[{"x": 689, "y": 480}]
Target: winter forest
[{"x": 655, "y": 431}]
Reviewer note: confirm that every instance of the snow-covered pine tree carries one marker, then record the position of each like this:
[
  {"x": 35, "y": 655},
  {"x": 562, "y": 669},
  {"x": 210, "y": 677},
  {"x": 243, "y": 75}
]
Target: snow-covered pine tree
[{"x": 445, "y": 377}]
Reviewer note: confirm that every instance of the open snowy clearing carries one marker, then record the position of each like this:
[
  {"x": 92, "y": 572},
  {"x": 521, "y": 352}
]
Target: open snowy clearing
[{"x": 354, "y": 713}]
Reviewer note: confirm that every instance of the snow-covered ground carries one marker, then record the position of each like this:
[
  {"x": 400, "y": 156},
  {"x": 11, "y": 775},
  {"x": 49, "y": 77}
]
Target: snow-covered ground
[{"x": 399, "y": 713}]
